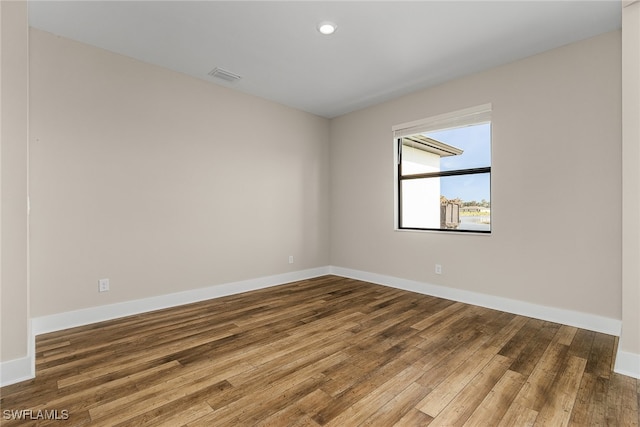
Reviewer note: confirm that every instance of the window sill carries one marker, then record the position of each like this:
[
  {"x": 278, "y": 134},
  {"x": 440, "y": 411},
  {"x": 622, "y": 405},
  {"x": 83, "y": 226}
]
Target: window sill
[{"x": 449, "y": 232}]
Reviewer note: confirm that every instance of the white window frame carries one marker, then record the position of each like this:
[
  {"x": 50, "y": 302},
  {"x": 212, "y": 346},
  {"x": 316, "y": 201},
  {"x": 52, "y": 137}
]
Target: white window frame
[{"x": 464, "y": 117}]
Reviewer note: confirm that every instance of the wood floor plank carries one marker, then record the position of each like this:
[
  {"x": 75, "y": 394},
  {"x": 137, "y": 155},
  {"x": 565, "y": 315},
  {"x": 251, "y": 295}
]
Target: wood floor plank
[
  {"x": 328, "y": 351},
  {"x": 276, "y": 378},
  {"x": 517, "y": 343},
  {"x": 357, "y": 413},
  {"x": 293, "y": 358},
  {"x": 442, "y": 318},
  {"x": 273, "y": 397},
  {"x": 469, "y": 397},
  {"x": 535, "y": 346},
  {"x": 298, "y": 411},
  {"x": 600, "y": 361},
  {"x": 161, "y": 407},
  {"x": 565, "y": 335},
  {"x": 87, "y": 398},
  {"x": 438, "y": 371},
  {"x": 497, "y": 401},
  {"x": 588, "y": 408},
  {"x": 582, "y": 343},
  {"x": 133, "y": 360},
  {"x": 510, "y": 326},
  {"x": 448, "y": 389},
  {"x": 562, "y": 395},
  {"x": 395, "y": 409},
  {"x": 518, "y": 415},
  {"x": 622, "y": 402},
  {"x": 179, "y": 417},
  {"x": 414, "y": 418},
  {"x": 150, "y": 398},
  {"x": 390, "y": 366},
  {"x": 534, "y": 393}
]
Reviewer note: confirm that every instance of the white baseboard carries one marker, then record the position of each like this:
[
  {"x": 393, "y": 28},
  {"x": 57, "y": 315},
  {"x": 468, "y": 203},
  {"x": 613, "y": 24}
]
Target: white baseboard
[
  {"x": 627, "y": 364},
  {"x": 21, "y": 369},
  {"x": 71, "y": 319},
  {"x": 566, "y": 317},
  {"x": 16, "y": 370}
]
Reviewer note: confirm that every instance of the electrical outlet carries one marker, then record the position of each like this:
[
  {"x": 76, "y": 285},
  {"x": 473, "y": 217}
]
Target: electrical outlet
[
  {"x": 103, "y": 285},
  {"x": 290, "y": 259},
  {"x": 438, "y": 269}
]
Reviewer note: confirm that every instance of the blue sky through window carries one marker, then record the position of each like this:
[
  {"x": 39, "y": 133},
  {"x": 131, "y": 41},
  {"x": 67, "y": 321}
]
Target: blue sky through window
[{"x": 475, "y": 140}]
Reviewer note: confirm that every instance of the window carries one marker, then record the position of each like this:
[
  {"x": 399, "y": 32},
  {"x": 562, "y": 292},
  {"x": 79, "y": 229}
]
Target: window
[{"x": 444, "y": 172}]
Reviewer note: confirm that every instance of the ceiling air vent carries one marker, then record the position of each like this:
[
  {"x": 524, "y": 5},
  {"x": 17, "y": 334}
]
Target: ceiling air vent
[{"x": 224, "y": 74}]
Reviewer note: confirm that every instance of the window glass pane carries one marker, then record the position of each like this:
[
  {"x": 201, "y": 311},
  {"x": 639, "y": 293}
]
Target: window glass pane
[
  {"x": 461, "y": 202},
  {"x": 415, "y": 161},
  {"x": 472, "y": 193},
  {"x": 474, "y": 141},
  {"x": 421, "y": 203}
]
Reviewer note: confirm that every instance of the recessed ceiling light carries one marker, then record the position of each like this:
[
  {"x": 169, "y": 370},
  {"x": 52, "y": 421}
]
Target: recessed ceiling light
[{"x": 327, "y": 28}]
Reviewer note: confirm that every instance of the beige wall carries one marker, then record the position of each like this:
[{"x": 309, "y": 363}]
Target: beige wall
[
  {"x": 14, "y": 285},
  {"x": 630, "y": 337},
  {"x": 162, "y": 182},
  {"x": 556, "y": 184}
]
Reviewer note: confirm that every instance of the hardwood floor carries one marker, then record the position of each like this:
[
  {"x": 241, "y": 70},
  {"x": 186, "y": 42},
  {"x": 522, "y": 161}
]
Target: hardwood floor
[{"x": 325, "y": 352}]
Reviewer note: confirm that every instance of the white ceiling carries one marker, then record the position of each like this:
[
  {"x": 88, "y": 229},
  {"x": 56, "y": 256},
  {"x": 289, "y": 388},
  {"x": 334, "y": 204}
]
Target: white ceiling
[{"x": 382, "y": 49}]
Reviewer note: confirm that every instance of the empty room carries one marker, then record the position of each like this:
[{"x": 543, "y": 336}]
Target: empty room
[{"x": 320, "y": 213}]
